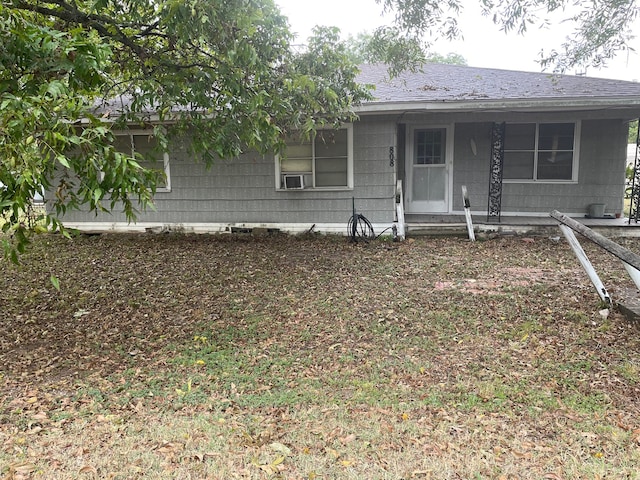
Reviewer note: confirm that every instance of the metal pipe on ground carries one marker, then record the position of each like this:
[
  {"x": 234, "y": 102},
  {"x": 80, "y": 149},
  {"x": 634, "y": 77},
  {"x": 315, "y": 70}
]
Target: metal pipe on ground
[{"x": 586, "y": 263}]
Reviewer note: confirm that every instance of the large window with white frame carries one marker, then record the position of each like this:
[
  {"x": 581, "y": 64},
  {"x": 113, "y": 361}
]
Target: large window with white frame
[
  {"x": 543, "y": 152},
  {"x": 145, "y": 144},
  {"x": 324, "y": 161}
]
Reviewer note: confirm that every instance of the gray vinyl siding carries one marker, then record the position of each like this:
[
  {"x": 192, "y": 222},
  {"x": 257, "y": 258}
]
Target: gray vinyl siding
[
  {"x": 243, "y": 190},
  {"x": 601, "y": 166}
]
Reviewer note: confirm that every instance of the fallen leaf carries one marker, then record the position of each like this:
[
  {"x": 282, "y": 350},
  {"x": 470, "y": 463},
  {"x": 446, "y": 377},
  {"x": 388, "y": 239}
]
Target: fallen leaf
[
  {"x": 421, "y": 473},
  {"x": 168, "y": 448},
  {"x": 271, "y": 468},
  {"x": 334, "y": 453},
  {"x": 348, "y": 439},
  {"x": 522, "y": 454},
  {"x": 88, "y": 469},
  {"x": 40, "y": 417},
  {"x": 552, "y": 476},
  {"x": 22, "y": 468},
  {"x": 280, "y": 448}
]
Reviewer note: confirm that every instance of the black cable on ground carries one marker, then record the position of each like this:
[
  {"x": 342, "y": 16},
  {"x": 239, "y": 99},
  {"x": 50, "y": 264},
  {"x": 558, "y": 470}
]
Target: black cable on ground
[
  {"x": 364, "y": 230},
  {"x": 359, "y": 228}
]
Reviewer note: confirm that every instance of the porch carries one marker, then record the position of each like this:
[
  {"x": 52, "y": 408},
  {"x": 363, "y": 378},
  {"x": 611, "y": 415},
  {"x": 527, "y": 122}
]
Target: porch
[{"x": 434, "y": 225}]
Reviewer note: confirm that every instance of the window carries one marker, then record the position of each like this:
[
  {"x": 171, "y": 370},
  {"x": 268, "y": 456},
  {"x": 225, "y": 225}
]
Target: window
[
  {"x": 146, "y": 145},
  {"x": 429, "y": 147},
  {"x": 325, "y": 161},
  {"x": 540, "y": 151}
]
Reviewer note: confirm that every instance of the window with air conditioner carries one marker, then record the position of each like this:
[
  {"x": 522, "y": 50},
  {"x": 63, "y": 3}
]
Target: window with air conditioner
[
  {"x": 322, "y": 162},
  {"x": 293, "y": 182}
]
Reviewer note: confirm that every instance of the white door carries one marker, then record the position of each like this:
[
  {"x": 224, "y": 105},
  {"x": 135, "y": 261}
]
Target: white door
[{"x": 428, "y": 170}]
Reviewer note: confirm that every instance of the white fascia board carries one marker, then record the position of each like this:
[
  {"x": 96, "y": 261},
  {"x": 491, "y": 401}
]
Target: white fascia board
[
  {"x": 538, "y": 105},
  {"x": 150, "y": 118}
]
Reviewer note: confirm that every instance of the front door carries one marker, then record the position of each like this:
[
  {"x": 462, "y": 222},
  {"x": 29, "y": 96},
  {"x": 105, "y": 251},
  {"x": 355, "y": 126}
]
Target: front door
[{"x": 428, "y": 170}]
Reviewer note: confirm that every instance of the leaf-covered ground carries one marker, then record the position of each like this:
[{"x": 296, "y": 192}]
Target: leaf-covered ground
[{"x": 177, "y": 356}]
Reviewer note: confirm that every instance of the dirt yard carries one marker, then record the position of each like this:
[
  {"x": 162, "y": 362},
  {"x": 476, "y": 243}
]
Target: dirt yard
[{"x": 222, "y": 357}]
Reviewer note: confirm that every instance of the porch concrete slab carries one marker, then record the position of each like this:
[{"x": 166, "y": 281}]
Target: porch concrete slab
[
  {"x": 509, "y": 225},
  {"x": 629, "y": 303}
]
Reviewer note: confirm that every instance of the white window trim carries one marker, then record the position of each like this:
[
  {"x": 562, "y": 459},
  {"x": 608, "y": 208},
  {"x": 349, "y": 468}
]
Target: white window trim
[
  {"x": 576, "y": 154},
  {"x": 278, "y": 173},
  {"x": 165, "y": 156}
]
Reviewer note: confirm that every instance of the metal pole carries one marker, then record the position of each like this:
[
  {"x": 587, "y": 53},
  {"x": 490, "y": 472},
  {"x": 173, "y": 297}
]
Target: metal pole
[
  {"x": 610, "y": 246},
  {"x": 467, "y": 213},
  {"x": 634, "y": 273},
  {"x": 354, "y": 225},
  {"x": 586, "y": 264}
]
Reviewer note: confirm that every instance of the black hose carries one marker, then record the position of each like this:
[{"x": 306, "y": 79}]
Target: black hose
[{"x": 360, "y": 228}]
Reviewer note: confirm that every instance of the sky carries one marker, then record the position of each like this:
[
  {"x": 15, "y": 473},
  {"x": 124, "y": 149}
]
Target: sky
[{"x": 484, "y": 45}]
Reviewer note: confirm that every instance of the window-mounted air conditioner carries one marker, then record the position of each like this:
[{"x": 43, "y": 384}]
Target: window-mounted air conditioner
[{"x": 293, "y": 182}]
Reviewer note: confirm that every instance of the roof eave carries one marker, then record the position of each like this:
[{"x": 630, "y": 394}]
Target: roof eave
[{"x": 522, "y": 105}]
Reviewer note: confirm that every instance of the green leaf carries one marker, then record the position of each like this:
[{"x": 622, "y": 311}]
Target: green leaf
[
  {"x": 97, "y": 195},
  {"x": 55, "y": 282},
  {"x": 62, "y": 160}
]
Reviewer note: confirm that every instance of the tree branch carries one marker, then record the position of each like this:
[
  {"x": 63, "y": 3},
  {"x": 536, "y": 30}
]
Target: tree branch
[{"x": 72, "y": 15}]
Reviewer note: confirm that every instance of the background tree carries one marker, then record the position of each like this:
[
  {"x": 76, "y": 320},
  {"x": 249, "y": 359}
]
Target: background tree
[
  {"x": 383, "y": 46},
  {"x": 596, "y": 30},
  {"x": 633, "y": 132},
  {"x": 450, "y": 58}
]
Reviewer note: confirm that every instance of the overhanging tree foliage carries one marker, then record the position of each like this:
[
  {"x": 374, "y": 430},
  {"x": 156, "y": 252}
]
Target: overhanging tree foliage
[
  {"x": 596, "y": 29},
  {"x": 220, "y": 71}
]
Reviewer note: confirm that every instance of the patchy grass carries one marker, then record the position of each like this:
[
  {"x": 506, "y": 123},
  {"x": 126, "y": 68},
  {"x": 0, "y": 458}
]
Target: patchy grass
[{"x": 178, "y": 356}]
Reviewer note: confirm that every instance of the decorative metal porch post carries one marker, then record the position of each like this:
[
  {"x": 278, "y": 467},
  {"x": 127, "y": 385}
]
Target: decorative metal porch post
[{"x": 497, "y": 170}]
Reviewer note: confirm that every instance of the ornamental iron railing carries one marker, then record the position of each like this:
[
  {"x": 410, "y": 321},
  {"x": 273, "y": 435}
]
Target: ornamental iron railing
[
  {"x": 634, "y": 208},
  {"x": 497, "y": 169}
]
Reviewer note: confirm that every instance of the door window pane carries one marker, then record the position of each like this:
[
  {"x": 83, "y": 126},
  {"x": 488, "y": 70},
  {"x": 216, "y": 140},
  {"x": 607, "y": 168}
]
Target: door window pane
[
  {"x": 429, "y": 184},
  {"x": 429, "y": 147}
]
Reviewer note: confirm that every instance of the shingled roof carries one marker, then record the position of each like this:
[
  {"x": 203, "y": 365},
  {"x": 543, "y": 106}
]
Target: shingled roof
[{"x": 446, "y": 87}]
